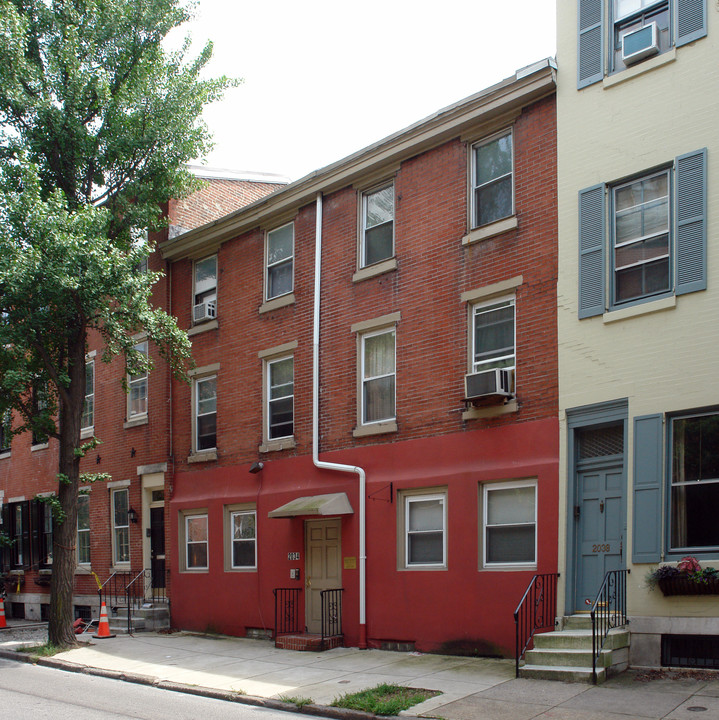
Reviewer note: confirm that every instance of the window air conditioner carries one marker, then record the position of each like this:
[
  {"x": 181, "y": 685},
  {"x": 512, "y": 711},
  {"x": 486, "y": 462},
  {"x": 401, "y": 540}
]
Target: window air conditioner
[
  {"x": 488, "y": 383},
  {"x": 204, "y": 311},
  {"x": 640, "y": 44}
]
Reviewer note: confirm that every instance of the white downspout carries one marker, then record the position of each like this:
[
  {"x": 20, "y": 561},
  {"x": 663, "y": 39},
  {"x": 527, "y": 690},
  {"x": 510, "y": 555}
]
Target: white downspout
[{"x": 316, "y": 430}]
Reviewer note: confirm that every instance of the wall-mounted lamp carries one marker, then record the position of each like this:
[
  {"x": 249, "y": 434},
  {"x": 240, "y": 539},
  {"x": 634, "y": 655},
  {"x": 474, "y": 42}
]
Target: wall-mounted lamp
[
  {"x": 97, "y": 460},
  {"x": 132, "y": 452},
  {"x": 256, "y": 467},
  {"x": 132, "y": 515}
]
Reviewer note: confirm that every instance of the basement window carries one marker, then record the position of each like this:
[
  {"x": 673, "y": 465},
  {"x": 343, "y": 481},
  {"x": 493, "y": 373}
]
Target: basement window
[{"x": 690, "y": 651}]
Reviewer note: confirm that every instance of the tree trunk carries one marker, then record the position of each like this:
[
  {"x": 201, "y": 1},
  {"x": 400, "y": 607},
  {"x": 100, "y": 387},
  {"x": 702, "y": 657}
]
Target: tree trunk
[{"x": 64, "y": 561}]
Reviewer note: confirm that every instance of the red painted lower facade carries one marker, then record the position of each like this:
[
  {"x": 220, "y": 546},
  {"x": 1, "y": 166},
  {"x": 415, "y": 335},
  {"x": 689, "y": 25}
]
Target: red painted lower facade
[{"x": 462, "y": 606}]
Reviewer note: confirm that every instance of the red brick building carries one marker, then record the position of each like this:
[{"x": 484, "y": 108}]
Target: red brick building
[
  {"x": 394, "y": 439},
  {"x": 121, "y": 527}
]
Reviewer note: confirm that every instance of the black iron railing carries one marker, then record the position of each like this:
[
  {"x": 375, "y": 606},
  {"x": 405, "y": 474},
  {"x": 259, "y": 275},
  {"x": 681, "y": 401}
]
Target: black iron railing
[
  {"x": 537, "y": 610},
  {"x": 144, "y": 587},
  {"x": 287, "y": 611},
  {"x": 608, "y": 611},
  {"x": 112, "y": 591},
  {"x": 331, "y": 613}
]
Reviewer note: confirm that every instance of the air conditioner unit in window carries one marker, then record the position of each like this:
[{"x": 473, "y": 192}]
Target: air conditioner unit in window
[
  {"x": 204, "y": 311},
  {"x": 488, "y": 383},
  {"x": 640, "y": 44}
]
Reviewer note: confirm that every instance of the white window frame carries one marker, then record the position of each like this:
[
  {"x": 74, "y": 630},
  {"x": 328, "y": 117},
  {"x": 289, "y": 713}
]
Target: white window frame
[
  {"x": 490, "y": 487},
  {"x": 83, "y": 533},
  {"x": 207, "y": 293},
  {"x": 484, "y": 307},
  {"x": 186, "y": 541},
  {"x": 115, "y": 527},
  {"x": 233, "y": 540},
  {"x": 648, "y": 7},
  {"x": 408, "y": 500},
  {"x": 364, "y": 379},
  {"x": 87, "y": 421},
  {"x": 289, "y": 260},
  {"x": 196, "y": 413},
  {"x": 269, "y": 399},
  {"x": 474, "y": 186},
  {"x": 135, "y": 380},
  {"x": 364, "y": 228},
  {"x": 5, "y": 432}
]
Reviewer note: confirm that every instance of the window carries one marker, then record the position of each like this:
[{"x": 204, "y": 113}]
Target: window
[
  {"x": 694, "y": 482},
  {"x": 657, "y": 237},
  {"x": 378, "y": 376},
  {"x": 137, "y": 389},
  {"x": 88, "y": 410},
  {"x": 205, "y": 290},
  {"x": 243, "y": 529},
  {"x": 425, "y": 518},
  {"x": 206, "y": 413},
  {"x": 44, "y": 523},
  {"x": 5, "y": 431},
  {"x": 120, "y": 526},
  {"x": 377, "y": 226},
  {"x": 510, "y": 524},
  {"x": 677, "y": 22},
  {"x": 280, "y": 398},
  {"x": 493, "y": 335},
  {"x": 196, "y": 542},
  {"x": 83, "y": 529},
  {"x": 280, "y": 251},
  {"x": 20, "y": 534},
  {"x": 39, "y": 406},
  {"x": 492, "y": 180}
]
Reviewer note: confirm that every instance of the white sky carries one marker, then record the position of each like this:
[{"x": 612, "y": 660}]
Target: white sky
[{"x": 324, "y": 78}]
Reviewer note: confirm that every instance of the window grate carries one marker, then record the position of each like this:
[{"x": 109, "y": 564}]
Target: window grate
[
  {"x": 601, "y": 442},
  {"x": 692, "y": 651}
]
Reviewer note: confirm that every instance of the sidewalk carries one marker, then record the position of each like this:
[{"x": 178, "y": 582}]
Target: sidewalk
[{"x": 472, "y": 688}]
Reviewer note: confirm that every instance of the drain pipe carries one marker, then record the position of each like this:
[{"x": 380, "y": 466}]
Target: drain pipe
[{"x": 339, "y": 467}]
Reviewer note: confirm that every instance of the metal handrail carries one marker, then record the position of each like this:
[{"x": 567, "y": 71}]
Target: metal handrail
[
  {"x": 331, "y": 603},
  {"x": 137, "y": 591},
  {"x": 287, "y": 617},
  {"x": 608, "y": 611},
  {"x": 112, "y": 590},
  {"x": 537, "y": 610}
]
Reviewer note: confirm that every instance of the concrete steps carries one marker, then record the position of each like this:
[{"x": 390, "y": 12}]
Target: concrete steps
[
  {"x": 567, "y": 654},
  {"x": 150, "y": 617}
]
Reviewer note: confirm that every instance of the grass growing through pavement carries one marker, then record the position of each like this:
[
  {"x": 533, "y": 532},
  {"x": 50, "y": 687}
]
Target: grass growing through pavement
[
  {"x": 384, "y": 699},
  {"x": 46, "y": 650},
  {"x": 299, "y": 701}
]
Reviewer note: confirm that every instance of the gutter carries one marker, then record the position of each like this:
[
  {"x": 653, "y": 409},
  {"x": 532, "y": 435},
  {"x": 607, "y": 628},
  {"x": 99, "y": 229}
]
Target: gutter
[{"x": 338, "y": 467}]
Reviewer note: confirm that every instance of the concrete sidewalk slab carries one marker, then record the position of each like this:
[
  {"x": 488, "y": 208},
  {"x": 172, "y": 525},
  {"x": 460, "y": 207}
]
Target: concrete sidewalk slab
[{"x": 640, "y": 702}]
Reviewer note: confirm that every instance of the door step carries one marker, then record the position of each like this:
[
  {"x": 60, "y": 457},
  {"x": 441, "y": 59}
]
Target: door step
[{"x": 308, "y": 642}]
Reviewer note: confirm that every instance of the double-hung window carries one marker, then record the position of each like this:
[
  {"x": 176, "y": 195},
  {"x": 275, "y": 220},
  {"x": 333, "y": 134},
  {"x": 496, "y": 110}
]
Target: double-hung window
[
  {"x": 425, "y": 518},
  {"x": 137, "y": 389},
  {"x": 510, "y": 524},
  {"x": 280, "y": 398},
  {"x": 492, "y": 180},
  {"x": 196, "y": 542},
  {"x": 5, "y": 431},
  {"x": 377, "y": 242},
  {"x": 493, "y": 335},
  {"x": 206, "y": 413},
  {"x": 656, "y": 240},
  {"x": 279, "y": 278},
  {"x": 633, "y": 31},
  {"x": 83, "y": 529},
  {"x": 243, "y": 528},
  {"x": 378, "y": 376},
  {"x": 694, "y": 483},
  {"x": 45, "y": 527},
  {"x": 88, "y": 410},
  {"x": 205, "y": 290},
  {"x": 121, "y": 525},
  {"x": 39, "y": 410}
]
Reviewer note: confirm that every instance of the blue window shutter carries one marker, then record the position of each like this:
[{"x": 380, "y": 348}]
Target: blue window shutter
[
  {"x": 591, "y": 251},
  {"x": 690, "y": 213},
  {"x": 590, "y": 42},
  {"x": 691, "y": 20},
  {"x": 648, "y": 461}
]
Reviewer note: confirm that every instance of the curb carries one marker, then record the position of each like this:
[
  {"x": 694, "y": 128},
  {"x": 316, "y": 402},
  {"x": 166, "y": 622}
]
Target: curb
[{"x": 228, "y": 695}]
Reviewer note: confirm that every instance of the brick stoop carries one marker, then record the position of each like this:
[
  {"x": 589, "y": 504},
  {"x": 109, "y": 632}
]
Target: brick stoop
[{"x": 308, "y": 641}]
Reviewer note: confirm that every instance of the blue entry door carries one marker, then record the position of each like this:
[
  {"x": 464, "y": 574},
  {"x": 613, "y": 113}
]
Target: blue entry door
[{"x": 599, "y": 517}]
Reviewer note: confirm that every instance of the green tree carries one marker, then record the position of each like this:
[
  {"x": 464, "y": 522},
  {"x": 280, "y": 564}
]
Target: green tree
[{"x": 97, "y": 121}]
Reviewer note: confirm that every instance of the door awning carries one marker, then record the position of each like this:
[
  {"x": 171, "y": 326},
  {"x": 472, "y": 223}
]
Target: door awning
[{"x": 332, "y": 504}]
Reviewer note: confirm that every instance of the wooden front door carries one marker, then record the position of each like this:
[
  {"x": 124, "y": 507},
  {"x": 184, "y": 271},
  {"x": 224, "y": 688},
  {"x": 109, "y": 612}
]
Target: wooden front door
[{"x": 323, "y": 568}]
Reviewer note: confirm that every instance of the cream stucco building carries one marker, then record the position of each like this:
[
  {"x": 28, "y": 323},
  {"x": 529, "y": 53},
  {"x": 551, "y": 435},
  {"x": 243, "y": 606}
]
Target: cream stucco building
[{"x": 638, "y": 322}]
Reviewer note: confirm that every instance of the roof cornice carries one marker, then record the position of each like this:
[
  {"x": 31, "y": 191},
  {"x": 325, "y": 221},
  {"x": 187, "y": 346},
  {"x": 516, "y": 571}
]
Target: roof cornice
[{"x": 512, "y": 94}]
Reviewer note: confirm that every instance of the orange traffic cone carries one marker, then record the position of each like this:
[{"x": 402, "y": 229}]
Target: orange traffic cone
[
  {"x": 103, "y": 630},
  {"x": 3, "y": 622}
]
